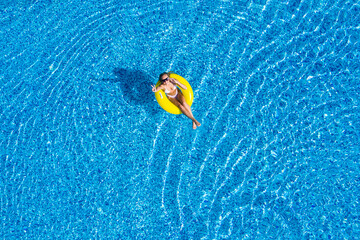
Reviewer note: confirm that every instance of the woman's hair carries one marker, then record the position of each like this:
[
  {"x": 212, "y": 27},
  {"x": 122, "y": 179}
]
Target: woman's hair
[{"x": 163, "y": 75}]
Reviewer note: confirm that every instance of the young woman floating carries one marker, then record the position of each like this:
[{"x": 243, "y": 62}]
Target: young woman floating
[{"x": 175, "y": 96}]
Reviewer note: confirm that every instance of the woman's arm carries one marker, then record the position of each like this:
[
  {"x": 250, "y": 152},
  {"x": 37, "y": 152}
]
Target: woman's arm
[
  {"x": 156, "y": 89},
  {"x": 174, "y": 81}
]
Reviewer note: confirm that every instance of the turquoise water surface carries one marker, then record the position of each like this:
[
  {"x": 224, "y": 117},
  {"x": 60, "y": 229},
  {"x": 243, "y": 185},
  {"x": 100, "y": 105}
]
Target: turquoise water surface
[{"x": 87, "y": 153}]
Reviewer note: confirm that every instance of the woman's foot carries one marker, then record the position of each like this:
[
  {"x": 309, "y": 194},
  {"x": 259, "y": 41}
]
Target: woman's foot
[
  {"x": 194, "y": 125},
  {"x": 197, "y": 123}
]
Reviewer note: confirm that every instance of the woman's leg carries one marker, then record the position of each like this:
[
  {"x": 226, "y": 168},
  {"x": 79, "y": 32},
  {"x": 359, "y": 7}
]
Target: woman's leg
[
  {"x": 184, "y": 108},
  {"x": 187, "y": 107}
]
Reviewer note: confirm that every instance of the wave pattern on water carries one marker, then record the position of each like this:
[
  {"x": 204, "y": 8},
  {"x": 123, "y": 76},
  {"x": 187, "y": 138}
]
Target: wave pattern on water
[{"x": 87, "y": 153}]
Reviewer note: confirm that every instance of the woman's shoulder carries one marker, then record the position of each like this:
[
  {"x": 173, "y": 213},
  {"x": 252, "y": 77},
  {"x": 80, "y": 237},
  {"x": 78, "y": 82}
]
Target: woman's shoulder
[{"x": 162, "y": 86}]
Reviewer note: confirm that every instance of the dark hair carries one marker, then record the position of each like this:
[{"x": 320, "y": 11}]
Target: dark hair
[{"x": 163, "y": 75}]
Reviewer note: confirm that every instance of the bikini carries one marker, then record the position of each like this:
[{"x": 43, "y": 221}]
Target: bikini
[{"x": 171, "y": 96}]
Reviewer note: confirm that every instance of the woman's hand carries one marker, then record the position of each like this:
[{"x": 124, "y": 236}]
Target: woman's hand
[
  {"x": 153, "y": 88},
  {"x": 173, "y": 81},
  {"x": 176, "y": 82}
]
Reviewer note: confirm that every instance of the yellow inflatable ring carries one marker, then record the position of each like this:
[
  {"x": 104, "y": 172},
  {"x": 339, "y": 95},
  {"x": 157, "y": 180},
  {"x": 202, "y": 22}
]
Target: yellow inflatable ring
[{"x": 165, "y": 103}]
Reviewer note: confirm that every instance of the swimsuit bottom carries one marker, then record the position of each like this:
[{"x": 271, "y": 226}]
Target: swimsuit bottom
[{"x": 173, "y": 96}]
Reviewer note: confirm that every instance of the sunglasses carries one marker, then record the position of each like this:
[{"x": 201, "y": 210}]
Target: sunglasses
[{"x": 164, "y": 80}]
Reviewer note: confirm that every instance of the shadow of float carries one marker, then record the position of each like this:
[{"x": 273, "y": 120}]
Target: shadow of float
[{"x": 136, "y": 88}]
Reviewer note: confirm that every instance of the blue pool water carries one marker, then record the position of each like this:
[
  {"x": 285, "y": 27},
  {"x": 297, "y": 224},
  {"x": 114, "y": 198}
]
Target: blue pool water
[{"x": 87, "y": 153}]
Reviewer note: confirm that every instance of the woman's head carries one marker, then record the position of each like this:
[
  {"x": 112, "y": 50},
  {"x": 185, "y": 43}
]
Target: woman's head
[{"x": 163, "y": 77}]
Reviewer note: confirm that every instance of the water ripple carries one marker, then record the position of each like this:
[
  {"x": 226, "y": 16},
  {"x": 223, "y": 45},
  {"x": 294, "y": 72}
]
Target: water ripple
[{"x": 276, "y": 91}]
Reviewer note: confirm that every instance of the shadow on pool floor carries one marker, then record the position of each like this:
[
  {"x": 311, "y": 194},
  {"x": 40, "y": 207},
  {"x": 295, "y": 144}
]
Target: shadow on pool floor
[{"x": 136, "y": 88}]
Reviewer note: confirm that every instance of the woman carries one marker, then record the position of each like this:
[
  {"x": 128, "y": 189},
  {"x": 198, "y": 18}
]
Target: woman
[{"x": 175, "y": 96}]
